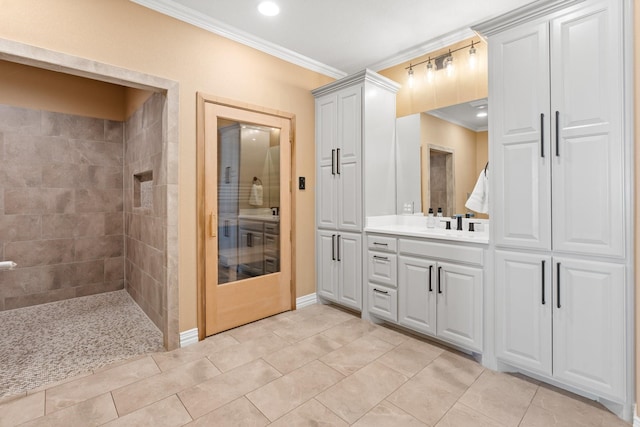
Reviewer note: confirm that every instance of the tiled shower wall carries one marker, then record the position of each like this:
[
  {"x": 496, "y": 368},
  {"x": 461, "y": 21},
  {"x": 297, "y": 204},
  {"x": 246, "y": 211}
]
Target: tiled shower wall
[
  {"x": 146, "y": 210},
  {"x": 61, "y": 206}
]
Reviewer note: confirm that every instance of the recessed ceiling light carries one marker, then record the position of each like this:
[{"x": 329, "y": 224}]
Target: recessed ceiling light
[
  {"x": 268, "y": 8},
  {"x": 482, "y": 114}
]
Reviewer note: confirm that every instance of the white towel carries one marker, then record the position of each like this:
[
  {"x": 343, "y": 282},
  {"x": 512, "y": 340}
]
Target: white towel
[
  {"x": 255, "y": 198},
  {"x": 479, "y": 198}
]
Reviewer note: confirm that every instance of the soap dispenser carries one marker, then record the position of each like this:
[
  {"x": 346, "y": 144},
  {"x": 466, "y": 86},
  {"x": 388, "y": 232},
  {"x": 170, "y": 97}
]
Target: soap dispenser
[{"x": 431, "y": 222}]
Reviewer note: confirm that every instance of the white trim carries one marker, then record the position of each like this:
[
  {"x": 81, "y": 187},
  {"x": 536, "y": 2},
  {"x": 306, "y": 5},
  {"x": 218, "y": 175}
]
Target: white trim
[
  {"x": 306, "y": 300},
  {"x": 188, "y": 337},
  {"x": 200, "y": 20},
  {"x": 424, "y": 48}
]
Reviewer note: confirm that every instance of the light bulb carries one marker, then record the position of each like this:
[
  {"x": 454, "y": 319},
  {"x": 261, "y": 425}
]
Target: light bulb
[
  {"x": 410, "y": 77},
  {"x": 473, "y": 58},
  {"x": 429, "y": 71},
  {"x": 448, "y": 64}
]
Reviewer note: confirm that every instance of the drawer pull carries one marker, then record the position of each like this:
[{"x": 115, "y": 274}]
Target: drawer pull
[
  {"x": 380, "y": 244},
  {"x": 380, "y": 292},
  {"x": 382, "y": 258}
]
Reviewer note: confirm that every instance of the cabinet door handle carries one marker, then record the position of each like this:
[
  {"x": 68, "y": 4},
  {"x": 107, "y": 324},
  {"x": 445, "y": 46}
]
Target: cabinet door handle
[
  {"x": 382, "y": 258},
  {"x": 339, "y": 248},
  {"x": 333, "y": 164},
  {"x": 439, "y": 280},
  {"x": 333, "y": 247},
  {"x": 543, "y": 284},
  {"x": 249, "y": 240},
  {"x": 542, "y": 135},
  {"x": 338, "y": 161},
  {"x": 557, "y": 133},
  {"x": 380, "y": 291},
  {"x": 558, "y": 273},
  {"x": 226, "y": 228},
  {"x": 227, "y": 175},
  {"x": 430, "y": 274}
]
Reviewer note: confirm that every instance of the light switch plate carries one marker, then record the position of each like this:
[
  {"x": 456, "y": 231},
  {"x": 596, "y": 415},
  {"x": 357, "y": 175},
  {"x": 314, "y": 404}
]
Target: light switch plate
[{"x": 301, "y": 183}]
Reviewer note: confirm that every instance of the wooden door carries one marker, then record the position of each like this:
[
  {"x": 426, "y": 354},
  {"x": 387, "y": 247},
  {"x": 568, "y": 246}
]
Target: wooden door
[{"x": 234, "y": 294}]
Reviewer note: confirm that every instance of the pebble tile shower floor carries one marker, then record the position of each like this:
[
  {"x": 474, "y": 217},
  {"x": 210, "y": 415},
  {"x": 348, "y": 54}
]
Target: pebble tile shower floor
[{"x": 47, "y": 343}]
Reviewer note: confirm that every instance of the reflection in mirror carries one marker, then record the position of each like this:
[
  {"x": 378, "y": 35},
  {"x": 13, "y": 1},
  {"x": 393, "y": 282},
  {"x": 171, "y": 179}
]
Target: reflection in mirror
[
  {"x": 248, "y": 200},
  {"x": 453, "y": 147}
]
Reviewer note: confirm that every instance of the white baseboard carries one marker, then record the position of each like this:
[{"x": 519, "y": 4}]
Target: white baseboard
[
  {"x": 188, "y": 337},
  {"x": 191, "y": 336},
  {"x": 306, "y": 300},
  {"x": 636, "y": 418}
]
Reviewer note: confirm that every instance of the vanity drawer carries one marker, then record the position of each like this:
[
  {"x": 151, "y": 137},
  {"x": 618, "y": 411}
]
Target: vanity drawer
[
  {"x": 272, "y": 227},
  {"x": 382, "y": 243},
  {"x": 251, "y": 225},
  {"x": 383, "y": 268},
  {"x": 449, "y": 252},
  {"x": 383, "y": 302},
  {"x": 271, "y": 243}
]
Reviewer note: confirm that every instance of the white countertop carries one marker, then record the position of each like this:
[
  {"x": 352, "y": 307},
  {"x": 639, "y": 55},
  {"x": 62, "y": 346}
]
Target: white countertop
[
  {"x": 259, "y": 214},
  {"x": 416, "y": 226}
]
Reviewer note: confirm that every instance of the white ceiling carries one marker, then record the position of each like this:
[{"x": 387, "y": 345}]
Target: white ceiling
[{"x": 339, "y": 37}]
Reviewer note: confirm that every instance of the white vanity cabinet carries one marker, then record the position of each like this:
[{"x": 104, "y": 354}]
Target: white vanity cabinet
[
  {"x": 438, "y": 289},
  {"x": 563, "y": 317},
  {"x": 355, "y": 140},
  {"x": 561, "y": 216},
  {"x": 556, "y": 130}
]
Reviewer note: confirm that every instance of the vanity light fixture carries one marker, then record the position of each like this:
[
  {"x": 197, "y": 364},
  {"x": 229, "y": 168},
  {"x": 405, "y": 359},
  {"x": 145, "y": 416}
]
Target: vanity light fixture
[
  {"x": 268, "y": 8},
  {"x": 444, "y": 61}
]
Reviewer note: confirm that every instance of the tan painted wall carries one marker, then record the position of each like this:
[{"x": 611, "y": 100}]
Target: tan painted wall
[
  {"x": 464, "y": 85},
  {"x": 39, "y": 89},
  {"x": 121, "y": 33},
  {"x": 439, "y": 132}
]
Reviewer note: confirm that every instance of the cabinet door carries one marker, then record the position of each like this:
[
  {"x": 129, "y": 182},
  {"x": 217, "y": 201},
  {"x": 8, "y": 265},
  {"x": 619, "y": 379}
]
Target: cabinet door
[
  {"x": 326, "y": 152},
  {"x": 519, "y": 129},
  {"x": 589, "y": 327},
  {"x": 349, "y": 258},
  {"x": 587, "y": 101},
  {"x": 326, "y": 265},
  {"x": 349, "y": 159},
  {"x": 417, "y": 290},
  {"x": 524, "y": 310},
  {"x": 459, "y": 313}
]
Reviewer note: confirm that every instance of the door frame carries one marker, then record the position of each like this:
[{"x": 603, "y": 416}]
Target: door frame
[{"x": 201, "y": 100}]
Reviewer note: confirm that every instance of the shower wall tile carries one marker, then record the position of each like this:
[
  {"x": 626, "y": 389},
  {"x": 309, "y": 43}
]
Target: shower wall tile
[
  {"x": 38, "y": 201},
  {"x": 20, "y": 227},
  {"x": 40, "y": 252},
  {"x": 113, "y": 223},
  {"x": 98, "y": 200},
  {"x": 72, "y": 127},
  {"x": 61, "y": 206},
  {"x": 114, "y": 269},
  {"x": 19, "y": 176},
  {"x": 75, "y": 225},
  {"x": 23, "y": 120},
  {"x": 145, "y": 228},
  {"x": 41, "y": 298},
  {"x": 98, "y": 247},
  {"x": 113, "y": 131}
]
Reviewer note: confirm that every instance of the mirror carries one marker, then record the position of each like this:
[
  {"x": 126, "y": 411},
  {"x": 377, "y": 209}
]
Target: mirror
[
  {"x": 248, "y": 200},
  {"x": 443, "y": 150}
]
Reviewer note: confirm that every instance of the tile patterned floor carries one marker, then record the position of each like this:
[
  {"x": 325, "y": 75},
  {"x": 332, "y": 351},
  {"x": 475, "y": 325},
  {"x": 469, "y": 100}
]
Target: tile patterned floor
[
  {"x": 49, "y": 342},
  {"x": 318, "y": 366}
]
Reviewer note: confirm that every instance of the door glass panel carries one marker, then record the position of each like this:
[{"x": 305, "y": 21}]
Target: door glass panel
[{"x": 248, "y": 200}]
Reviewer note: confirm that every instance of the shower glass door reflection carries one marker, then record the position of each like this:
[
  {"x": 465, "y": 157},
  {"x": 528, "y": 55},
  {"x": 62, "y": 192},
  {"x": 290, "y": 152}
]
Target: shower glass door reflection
[{"x": 248, "y": 200}]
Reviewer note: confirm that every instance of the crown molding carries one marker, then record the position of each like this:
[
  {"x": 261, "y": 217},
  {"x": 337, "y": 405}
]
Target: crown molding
[
  {"x": 361, "y": 76},
  {"x": 200, "y": 20},
  {"x": 424, "y": 48},
  {"x": 521, "y": 15}
]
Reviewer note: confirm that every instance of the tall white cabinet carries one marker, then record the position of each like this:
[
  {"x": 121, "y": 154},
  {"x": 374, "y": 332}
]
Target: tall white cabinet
[
  {"x": 355, "y": 176},
  {"x": 561, "y": 214}
]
